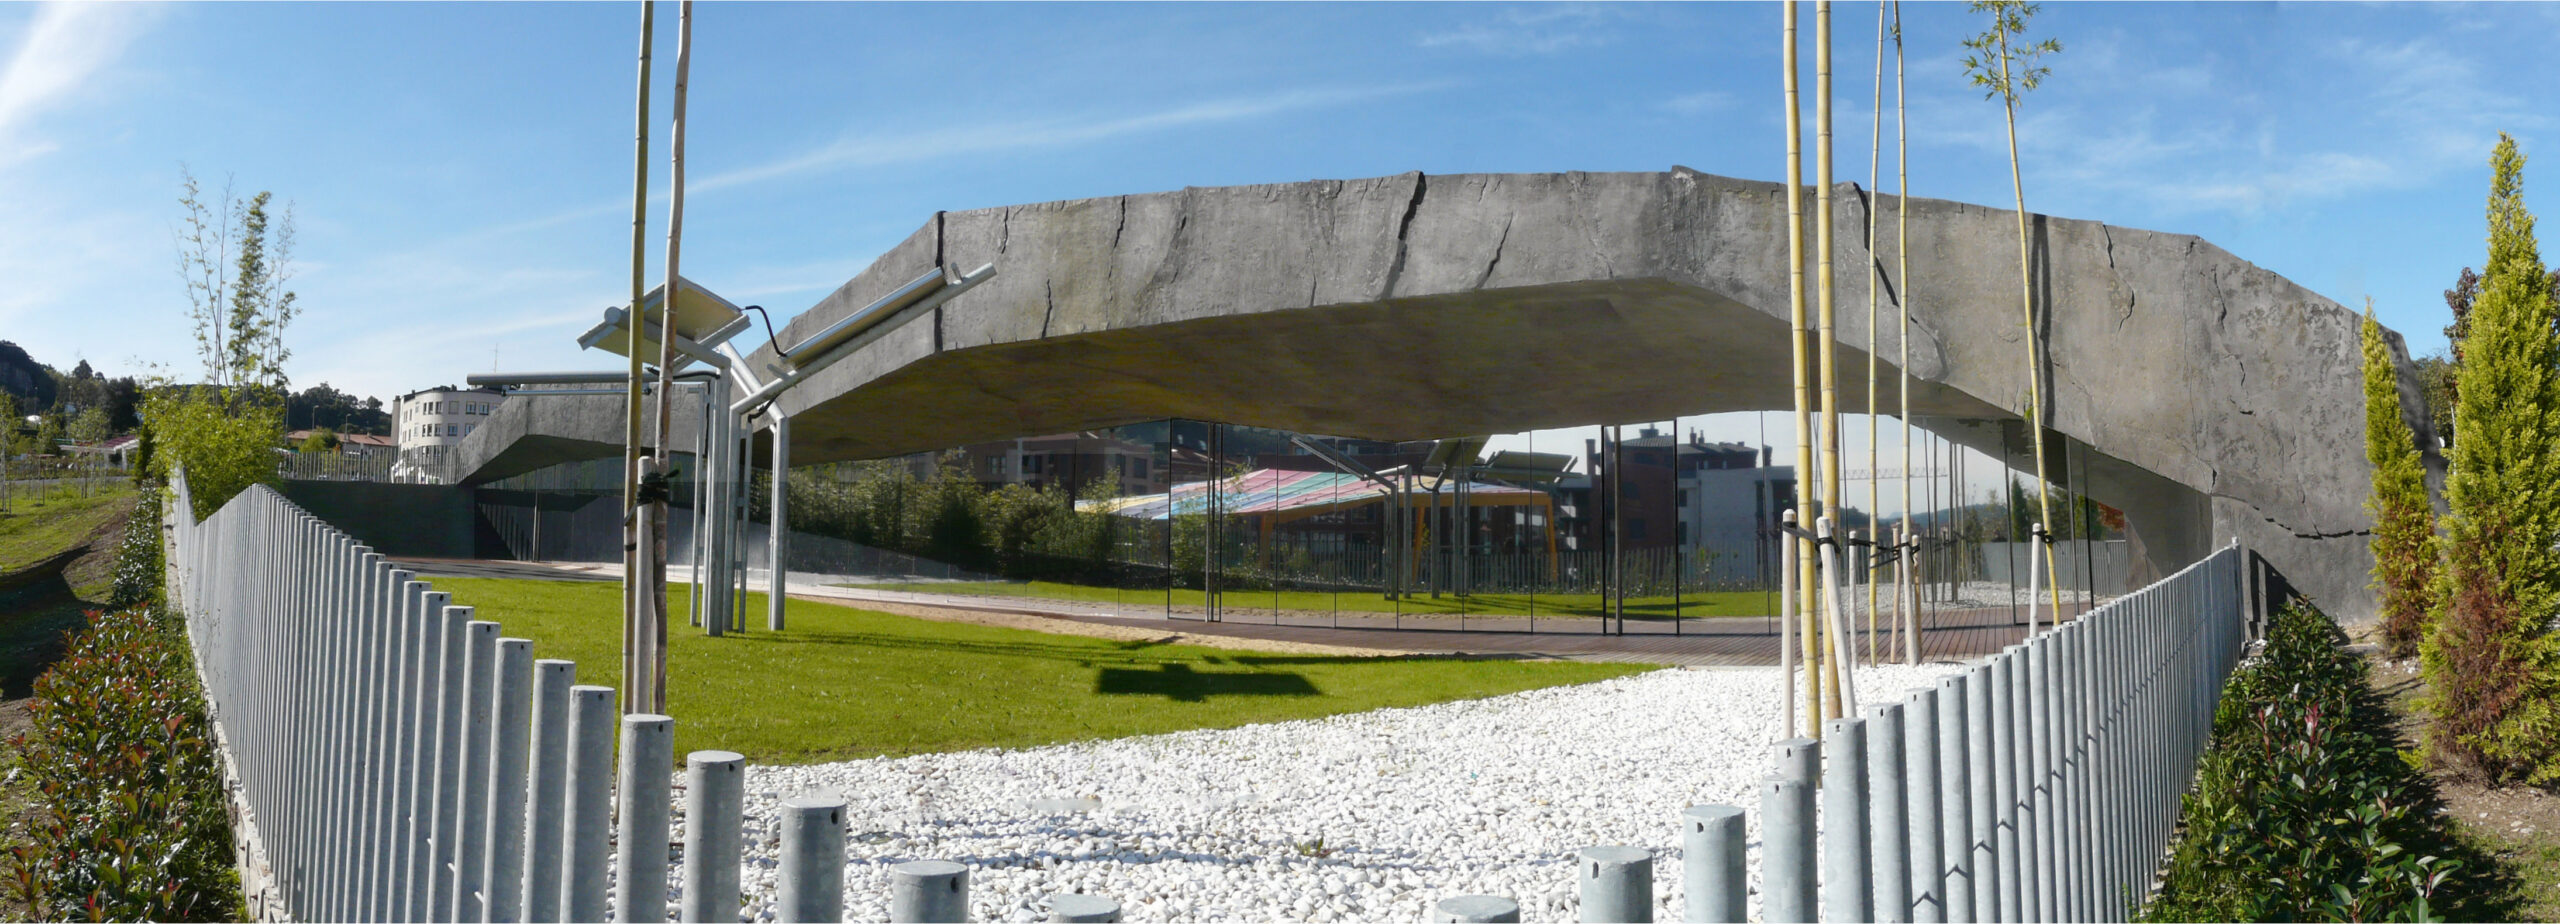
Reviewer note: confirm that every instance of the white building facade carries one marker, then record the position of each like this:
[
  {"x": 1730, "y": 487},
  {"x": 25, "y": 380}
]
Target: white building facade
[{"x": 428, "y": 424}]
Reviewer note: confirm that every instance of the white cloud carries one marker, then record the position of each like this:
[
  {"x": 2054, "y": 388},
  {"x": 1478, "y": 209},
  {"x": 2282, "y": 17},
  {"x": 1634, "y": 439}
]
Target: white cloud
[
  {"x": 65, "y": 46},
  {"x": 1532, "y": 31}
]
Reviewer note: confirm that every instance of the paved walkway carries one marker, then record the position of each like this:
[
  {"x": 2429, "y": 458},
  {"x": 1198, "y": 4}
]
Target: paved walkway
[{"x": 1949, "y": 635}]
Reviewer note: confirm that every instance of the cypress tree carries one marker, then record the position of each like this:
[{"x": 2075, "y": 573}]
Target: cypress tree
[
  {"x": 2404, "y": 527},
  {"x": 2488, "y": 654}
]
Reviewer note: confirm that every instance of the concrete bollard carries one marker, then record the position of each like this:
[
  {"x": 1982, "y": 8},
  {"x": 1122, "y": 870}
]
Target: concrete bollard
[
  {"x": 546, "y": 790},
  {"x": 640, "y": 834},
  {"x": 471, "y": 830},
  {"x": 1617, "y": 884},
  {"x": 1464, "y": 909},
  {"x": 1787, "y": 881},
  {"x": 502, "y": 881},
  {"x": 928, "y": 892},
  {"x": 1845, "y": 865},
  {"x": 1923, "y": 809},
  {"x": 1714, "y": 885},
  {"x": 1799, "y": 759},
  {"x": 582, "y": 826},
  {"x": 1955, "y": 802},
  {"x": 715, "y": 798},
  {"x": 811, "y": 881},
  {"x": 1889, "y": 853}
]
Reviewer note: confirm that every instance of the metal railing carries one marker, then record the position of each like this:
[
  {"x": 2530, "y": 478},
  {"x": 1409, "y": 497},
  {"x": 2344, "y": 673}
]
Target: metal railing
[{"x": 398, "y": 760}]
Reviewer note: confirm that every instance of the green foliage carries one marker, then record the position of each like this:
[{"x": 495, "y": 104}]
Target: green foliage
[
  {"x": 139, "y": 571},
  {"x": 2490, "y": 659},
  {"x": 320, "y": 440},
  {"x": 235, "y": 259},
  {"x": 2404, "y": 528},
  {"x": 224, "y": 445},
  {"x": 131, "y": 825},
  {"x": 2303, "y": 809},
  {"x": 2001, "y": 61},
  {"x": 1014, "y": 530}
]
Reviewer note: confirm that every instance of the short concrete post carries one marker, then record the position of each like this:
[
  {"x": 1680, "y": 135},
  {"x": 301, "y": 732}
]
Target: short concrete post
[
  {"x": 1787, "y": 881},
  {"x": 502, "y": 881},
  {"x": 1845, "y": 865},
  {"x": 547, "y": 790},
  {"x": 1922, "y": 797},
  {"x": 1464, "y": 909},
  {"x": 1956, "y": 750},
  {"x": 640, "y": 836},
  {"x": 811, "y": 882},
  {"x": 715, "y": 796},
  {"x": 581, "y": 828},
  {"x": 1617, "y": 884},
  {"x": 1798, "y": 759},
  {"x": 1889, "y": 857},
  {"x": 928, "y": 892},
  {"x": 1714, "y": 886}
]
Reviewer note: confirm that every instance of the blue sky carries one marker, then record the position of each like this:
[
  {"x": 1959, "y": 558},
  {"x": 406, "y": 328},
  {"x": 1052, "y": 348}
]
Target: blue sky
[{"x": 461, "y": 172}]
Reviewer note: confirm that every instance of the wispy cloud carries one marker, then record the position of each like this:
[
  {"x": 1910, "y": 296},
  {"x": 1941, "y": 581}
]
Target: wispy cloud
[
  {"x": 1531, "y": 31},
  {"x": 1699, "y": 103},
  {"x": 65, "y": 47},
  {"x": 1051, "y": 133}
]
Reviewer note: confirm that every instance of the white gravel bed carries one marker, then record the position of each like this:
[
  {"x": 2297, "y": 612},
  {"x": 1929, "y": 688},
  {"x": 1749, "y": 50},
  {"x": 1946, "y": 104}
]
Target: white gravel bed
[{"x": 1364, "y": 817}]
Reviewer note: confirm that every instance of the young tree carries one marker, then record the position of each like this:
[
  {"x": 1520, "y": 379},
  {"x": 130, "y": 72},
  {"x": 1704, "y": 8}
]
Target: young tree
[
  {"x": 235, "y": 259},
  {"x": 10, "y": 421},
  {"x": 2488, "y": 653},
  {"x": 2404, "y": 527},
  {"x": 91, "y": 428},
  {"x": 2003, "y": 63}
]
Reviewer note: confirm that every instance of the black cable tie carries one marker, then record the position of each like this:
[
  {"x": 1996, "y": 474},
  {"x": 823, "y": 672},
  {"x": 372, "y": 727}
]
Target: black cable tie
[{"x": 654, "y": 489}]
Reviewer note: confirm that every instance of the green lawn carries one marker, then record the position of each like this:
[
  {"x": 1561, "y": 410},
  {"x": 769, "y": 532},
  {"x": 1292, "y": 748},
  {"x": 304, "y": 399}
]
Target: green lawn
[
  {"x": 844, "y": 683},
  {"x": 1694, "y": 605},
  {"x": 43, "y": 522}
]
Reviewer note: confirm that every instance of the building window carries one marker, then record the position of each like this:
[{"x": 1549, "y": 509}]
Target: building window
[
  {"x": 466, "y": 429},
  {"x": 452, "y": 430},
  {"x": 1031, "y": 465}
]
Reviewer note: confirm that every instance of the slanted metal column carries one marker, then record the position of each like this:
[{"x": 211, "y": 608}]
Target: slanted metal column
[{"x": 777, "y": 546}]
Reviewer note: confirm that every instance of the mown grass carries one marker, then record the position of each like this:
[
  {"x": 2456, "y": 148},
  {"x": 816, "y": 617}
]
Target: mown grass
[
  {"x": 1705, "y": 604},
  {"x": 843, "y": 683},
  {"x": 43, "y": 522}
]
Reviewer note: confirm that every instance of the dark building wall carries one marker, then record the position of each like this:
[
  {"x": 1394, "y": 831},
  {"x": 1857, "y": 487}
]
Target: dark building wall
[{"x": 412, "y": 520}]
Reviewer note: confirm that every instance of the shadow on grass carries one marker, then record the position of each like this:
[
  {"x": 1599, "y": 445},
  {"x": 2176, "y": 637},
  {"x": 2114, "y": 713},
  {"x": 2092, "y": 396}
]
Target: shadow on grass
[
  {"x": 2483, "y": 887},
  {"x": 1178, "y": 682},
  {"x": 1096, "y": 653}
]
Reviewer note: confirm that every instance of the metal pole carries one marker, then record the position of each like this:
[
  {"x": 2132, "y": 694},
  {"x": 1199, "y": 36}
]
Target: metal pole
[
  {"x": 1959, "y": 752},
  {"x": 2039, "y": 792},
  {"x": 445, "y": 779},
  {"x": 1928, "y": 869},
  {"x": 715, "y": 797},
  {"x": 2006, "y": 873},
  {"x": 1617, "y": 884},
  {"x": 811, "y": 880},
  {"x": 636, "y": 587},
  {"x": 1845, "y": 861},
  {"x": 471, "y": 827},
  {"x": 640, "y": 835},
  {"x": 777, "y": 547},
  {"x": 1714, "y": 885}
]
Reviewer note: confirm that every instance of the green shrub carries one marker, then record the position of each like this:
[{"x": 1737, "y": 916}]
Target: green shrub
[
  {"x": 139, "y": 572},
  {"x": 2303, "y": 808},
  {"x": 2404, "y": 523},
  {"x": 226, "y": 443},
  {"x": 130, "y": 823}
]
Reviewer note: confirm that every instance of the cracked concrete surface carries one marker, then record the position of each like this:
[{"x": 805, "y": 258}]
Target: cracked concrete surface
[{"x": 2214, "y": 399}]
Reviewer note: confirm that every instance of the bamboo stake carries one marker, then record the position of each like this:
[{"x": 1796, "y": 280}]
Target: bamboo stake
[
  {"x": 2027, "y": 305},
  {"x": 1902, "y": 277},
  {"x": 1875, "y": 158},
  {"x": 1823, "y": 287},
  {"x": 1811, "y": 635},
  {"x": 666, "y": 359},
  {"x": 635, "y": 578}
]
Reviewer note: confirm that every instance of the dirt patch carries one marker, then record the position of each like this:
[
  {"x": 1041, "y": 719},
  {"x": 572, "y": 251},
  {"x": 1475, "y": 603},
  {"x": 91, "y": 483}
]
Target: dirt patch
[
  {"x": 2520, "y": 826},
  {"x": 1059, "y": 625}
]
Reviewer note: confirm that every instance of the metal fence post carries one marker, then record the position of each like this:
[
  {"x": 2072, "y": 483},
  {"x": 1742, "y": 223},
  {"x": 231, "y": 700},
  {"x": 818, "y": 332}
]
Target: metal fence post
[
  {"x": 640, "y": 855},
  {"x": 1714, "y": 886},
  {"x": 440, "y": 785},
  {"x": 811, "y": 880},
  {"x": 510, "y": 737},
  {"x": 928, "y": 892},
  {"x": 581, "y": 829},
  {"x": 715, "y": 797},
  {"x": 470, "y": 854},
  {"x": 2006, "y": 873},
  {"x": 1616, "y": 884},
  {"x": 2037, "y": 788},
  {"x": 1956, "y": 760},
  {"x": 1845, "y": 864},
  {"x": 547, "y": 791}
]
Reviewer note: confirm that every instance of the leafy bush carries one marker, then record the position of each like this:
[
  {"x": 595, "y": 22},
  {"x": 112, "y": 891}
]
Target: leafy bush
[
  {"x": 226, "y": 443},
  {"x": 139, "y": 572},
  {"x": 131, "y": 823},
  {"x": 2303, "y": 807}
]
